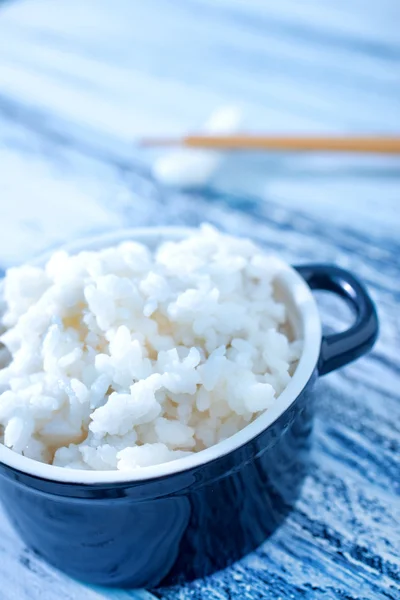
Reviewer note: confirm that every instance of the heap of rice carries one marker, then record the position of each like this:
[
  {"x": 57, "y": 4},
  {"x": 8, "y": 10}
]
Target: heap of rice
[{"x": 127, "y": 357}]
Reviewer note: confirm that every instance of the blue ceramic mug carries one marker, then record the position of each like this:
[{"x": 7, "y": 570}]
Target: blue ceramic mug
[{"x": 187, "y": 518}]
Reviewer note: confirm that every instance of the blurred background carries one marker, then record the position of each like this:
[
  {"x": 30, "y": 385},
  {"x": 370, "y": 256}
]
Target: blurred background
[{"x": 82, "y": 80}]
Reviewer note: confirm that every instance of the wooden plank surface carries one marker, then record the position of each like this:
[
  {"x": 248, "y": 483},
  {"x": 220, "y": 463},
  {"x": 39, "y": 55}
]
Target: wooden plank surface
[{"x": 79, "y": 80}]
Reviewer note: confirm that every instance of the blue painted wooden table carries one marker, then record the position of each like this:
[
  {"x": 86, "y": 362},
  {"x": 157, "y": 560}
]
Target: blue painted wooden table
[{"x": 79, "y": 80}]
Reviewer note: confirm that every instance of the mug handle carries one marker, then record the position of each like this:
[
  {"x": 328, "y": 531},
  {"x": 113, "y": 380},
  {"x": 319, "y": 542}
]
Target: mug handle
[{"x": 339, "y": 349}]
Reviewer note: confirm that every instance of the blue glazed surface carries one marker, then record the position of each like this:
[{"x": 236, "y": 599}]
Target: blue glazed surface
[
  {"x": 80, "y": 80},
  {"x": 170, "y": 529}
]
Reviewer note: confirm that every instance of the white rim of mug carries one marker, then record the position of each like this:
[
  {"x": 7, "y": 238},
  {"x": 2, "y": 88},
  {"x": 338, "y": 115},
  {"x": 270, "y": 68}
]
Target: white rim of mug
[{"x": 312, "y": 331}]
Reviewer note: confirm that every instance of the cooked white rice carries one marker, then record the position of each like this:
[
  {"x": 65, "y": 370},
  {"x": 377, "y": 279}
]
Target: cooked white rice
[{"x": 127, "y": 357}]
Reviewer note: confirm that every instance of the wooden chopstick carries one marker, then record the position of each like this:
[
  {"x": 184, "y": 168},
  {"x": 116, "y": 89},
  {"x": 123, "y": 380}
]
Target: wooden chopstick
[{"x": 364, "y": 144}]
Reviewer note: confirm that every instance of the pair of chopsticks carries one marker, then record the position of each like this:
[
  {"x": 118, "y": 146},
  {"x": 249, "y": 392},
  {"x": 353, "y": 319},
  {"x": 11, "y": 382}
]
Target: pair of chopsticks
[{"x": 362, "y": 144}]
